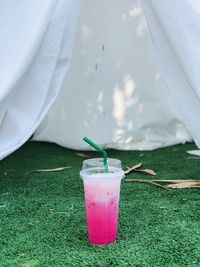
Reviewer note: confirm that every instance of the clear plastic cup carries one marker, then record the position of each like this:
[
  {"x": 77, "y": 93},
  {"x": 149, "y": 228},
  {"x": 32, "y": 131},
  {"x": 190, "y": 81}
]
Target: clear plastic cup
[
  {"x": 98, "y": 162},
  {"x": 102, "y": 193}
]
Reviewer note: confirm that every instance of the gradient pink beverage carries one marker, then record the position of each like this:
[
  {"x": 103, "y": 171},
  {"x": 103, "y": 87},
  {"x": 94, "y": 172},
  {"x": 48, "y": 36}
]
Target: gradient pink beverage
[{"x": 102, "y": 205}]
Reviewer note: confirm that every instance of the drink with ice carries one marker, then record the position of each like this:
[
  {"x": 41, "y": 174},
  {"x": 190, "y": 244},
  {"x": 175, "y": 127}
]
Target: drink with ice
[{"x": 102, "y": 192}]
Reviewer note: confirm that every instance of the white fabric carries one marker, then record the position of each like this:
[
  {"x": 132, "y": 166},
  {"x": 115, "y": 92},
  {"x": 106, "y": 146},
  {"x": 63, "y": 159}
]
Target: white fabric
[
  {"x": 114, "y": 92},
  {"x": 175, "y": 29},
  {"x": 35, "y": 46}
]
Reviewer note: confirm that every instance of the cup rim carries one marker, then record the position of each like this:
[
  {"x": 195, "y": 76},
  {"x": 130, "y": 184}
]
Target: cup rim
[
  {"x": 99, "y": 162},
  {"x": 93, "y": 159},
  {"x": 90, "y": 173}
]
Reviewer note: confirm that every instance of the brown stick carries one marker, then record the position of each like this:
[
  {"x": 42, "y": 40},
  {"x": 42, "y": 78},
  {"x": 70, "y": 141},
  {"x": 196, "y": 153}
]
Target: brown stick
[
  {"x": 147, "y": 171},
  {"x": 133, "y": 168},
  {"x": 162, "y": 181},
  {"x": 147, "y": 182},
  {"x": 158, "y": 185},
  {"x": 184, "y": 185}
]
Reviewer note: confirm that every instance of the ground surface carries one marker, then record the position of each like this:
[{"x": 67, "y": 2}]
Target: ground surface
[{"x": 42, "y": 216}]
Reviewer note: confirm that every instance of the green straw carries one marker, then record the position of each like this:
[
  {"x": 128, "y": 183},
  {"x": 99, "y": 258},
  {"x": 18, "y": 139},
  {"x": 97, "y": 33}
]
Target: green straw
[{"x": 105, "y": 159}]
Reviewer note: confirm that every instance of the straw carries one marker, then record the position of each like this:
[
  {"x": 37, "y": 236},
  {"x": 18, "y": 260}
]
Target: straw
[{"x": 105, "y": 159}]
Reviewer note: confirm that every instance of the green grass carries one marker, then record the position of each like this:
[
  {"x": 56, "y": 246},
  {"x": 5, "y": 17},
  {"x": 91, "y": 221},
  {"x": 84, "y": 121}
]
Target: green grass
[{"x": 156, "y": 227}]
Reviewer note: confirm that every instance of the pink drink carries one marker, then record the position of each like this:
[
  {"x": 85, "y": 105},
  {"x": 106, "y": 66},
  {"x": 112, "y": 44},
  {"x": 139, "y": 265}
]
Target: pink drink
[
  {"x": 102, "y": 204},
  {"x": 102, "y": 212}
]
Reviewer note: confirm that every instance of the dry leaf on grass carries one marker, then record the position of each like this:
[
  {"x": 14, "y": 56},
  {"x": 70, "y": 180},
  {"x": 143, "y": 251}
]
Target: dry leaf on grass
[
  {"x": 176, "y": 181},
  {"x": 158, "y": 185},
  {"x": 133, "y": 168},
  {"x": 171, "y": 183},
  {"x": 147, "y": 171},
  {"x": 151, "y": 182},
  {"x": 136, "y": 169},
  {"x": 51, "y": 170},
  {"x": 83, "y": 155},
  {"x": 162, "y": 181},
  {"x": 184, "y": 185}
]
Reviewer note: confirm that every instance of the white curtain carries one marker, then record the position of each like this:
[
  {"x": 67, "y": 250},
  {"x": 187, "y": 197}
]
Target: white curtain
[
  {"x": 130, "y": 86},
  {"x": 115, "y": 92},
  {"x": 35, "y": 47},
  {"x": 175, "y": 30}
]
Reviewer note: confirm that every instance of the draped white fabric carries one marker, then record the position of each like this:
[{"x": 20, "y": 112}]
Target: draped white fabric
[
  {"x": 35, "y": 47},
  {"x": 130, "y": 86},
  {"x": 114, "y": 92},
  {"x": 175, "y": 29}
]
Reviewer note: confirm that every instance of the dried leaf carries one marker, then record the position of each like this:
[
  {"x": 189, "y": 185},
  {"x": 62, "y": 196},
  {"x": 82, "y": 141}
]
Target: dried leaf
[
  {"x": 158, "y": 185},
  {"x": 136, "y": 180},
  {"x": 171, "y": 183},
  {"x": 53, "y": 170},
  {"x": 147, "y": 171},
  {"x": 146, "y": 181},
  {"x": 127, "y": 167},
  {"x": 50, "y": 170},
  {"x": 164, "y": 181},
  {"x": 135, "y": 167},
  {"x": 83, "y": 155},
  {"x": 184, "y": 185},
  {"x": 175, "y": 181}
]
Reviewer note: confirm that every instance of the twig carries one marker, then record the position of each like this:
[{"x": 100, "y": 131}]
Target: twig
[
  {"x": 184, "y": 185},
  {"x": 158, "y": 185},
  {"x": 49, "y": 170},
  {"x": 147, "y": 171},
  {"x": 171, "y": 183},
  {"x": 177, "y": 181},
  {"x": 136, "y": 168},
  {"x": 163, "y": 181},
  {"x": 83, "y": 155},
  {"x": 133, "y": 168},
  {"x": 146, "y": 181}
]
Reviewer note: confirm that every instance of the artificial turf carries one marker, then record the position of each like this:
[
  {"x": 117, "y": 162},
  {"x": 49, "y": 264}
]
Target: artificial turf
[{"x": 42, "y": 214}]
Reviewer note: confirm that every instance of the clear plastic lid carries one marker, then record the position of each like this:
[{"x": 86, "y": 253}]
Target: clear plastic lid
[
  {"x": 98, "y": 162},
  {"x": 99, "y": 172}
]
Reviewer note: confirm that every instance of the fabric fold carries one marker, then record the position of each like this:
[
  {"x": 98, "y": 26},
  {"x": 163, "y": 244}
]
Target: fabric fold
[
  {"x": 175, "y": 31},
  {"x": 45, "y": 28}
]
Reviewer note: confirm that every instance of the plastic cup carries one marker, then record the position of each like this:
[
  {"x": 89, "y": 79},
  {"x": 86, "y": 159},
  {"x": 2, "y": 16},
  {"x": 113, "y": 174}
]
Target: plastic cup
[
  {"x": 99, "y": 162},
  {"x": 102, "y": 193}
]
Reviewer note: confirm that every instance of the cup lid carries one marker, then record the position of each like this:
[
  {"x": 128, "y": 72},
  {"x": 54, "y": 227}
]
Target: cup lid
[{"x": 99, "y": 172}]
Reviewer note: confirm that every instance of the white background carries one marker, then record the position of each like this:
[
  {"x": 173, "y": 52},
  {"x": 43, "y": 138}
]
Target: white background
[{"x": 114, "y": 92}]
